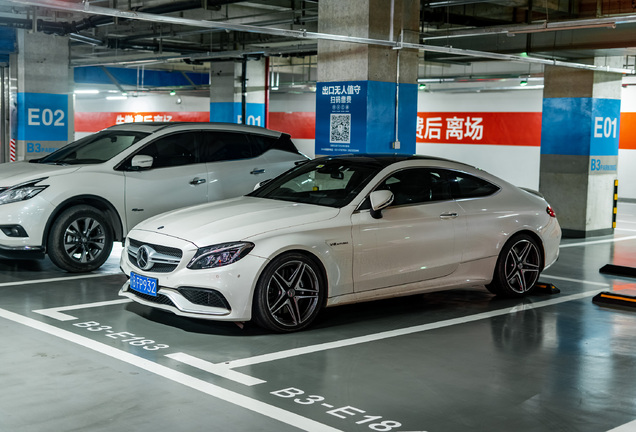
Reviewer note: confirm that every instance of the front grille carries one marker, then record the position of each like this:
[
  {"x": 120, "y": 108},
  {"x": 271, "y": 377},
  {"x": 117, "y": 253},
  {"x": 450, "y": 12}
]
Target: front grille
[
  {"x": 205, "y": 297},
  {"x": 159, "y": 299},
  {"x": 163, "y": 250}
]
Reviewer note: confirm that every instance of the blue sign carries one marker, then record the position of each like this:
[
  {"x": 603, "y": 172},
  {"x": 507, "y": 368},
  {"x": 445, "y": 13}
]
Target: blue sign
[
  {"x": 231, "y": 112},
  {"x": 341, "y": 117},
  {"x": 580, "y": 126},
  {"x": 359, "y": 117},
  {"x": 42, "y": 117}
]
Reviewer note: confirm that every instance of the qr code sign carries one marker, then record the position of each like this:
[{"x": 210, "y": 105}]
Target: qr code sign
[{"x": 340, "y": 128}]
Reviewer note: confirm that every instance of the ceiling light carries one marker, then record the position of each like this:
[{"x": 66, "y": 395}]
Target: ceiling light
[
  {"x": 116, "y": 97},
  {"x": 86, "y": 91}
]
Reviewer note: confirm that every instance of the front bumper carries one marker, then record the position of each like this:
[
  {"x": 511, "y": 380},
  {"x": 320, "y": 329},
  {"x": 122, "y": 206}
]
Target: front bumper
[
  {"x": 22, "y": 253},
  {"x": 220, "y": 294},
  {"x": 31, "y": 217}
]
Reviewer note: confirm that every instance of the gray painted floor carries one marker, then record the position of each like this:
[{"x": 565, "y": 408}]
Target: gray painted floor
[{"x": 76, "y": 357}]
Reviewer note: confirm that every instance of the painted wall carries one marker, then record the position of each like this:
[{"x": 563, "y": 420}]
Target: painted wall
[
  {"x": 296, "y": 115},
  {"x": 507, "y": 144},
  {"x": 94, "y": 113},
  {"x": 627, "y": 145}
]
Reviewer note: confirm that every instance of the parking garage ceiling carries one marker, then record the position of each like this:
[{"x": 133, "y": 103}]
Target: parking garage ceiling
[{"x": 186, "y": 33}]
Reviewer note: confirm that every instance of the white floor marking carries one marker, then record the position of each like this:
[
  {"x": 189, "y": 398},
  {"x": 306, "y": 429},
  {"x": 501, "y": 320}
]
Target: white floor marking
[
  {"x": 629, "y": 427},
  {"x": 238, "y": 399},
  {"x": 61, "y": 279},
  {"x": 401, "y": 332},
  {"x": 584, "y": 282},
  {"x": 221, "y": 369},
  {"x": 58, "y": 315},
  {"x": 612, "y": 240}
]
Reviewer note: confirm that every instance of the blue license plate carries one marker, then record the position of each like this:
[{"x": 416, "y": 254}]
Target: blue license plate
[{"x": 143, "y": 284}]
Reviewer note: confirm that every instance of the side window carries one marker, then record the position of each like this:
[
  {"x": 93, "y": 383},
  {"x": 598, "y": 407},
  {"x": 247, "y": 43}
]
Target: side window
[
  {"x": 417, "y": 185},
  {"x": 284, "y": 143},
  {"x": 467, "y": 186},
  {"x": 260, "y": 144},
  {"x": 223, "y": 146},
  {"x": 172, "y": 150}
]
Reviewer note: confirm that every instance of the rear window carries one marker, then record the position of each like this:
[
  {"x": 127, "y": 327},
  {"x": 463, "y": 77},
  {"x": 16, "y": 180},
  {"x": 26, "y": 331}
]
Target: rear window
[
  {"x": 467, "y": 186},
  {"x": 262, "y": 143}
]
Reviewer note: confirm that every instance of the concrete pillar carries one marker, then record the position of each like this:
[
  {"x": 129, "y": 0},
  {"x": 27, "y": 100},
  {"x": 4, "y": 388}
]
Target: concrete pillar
[
  {"x": 579, "y": 147},
  {"x": 44, "y": 108},
  {"x": 360, "y": 107},
  {"x": 227, "y": 92}
]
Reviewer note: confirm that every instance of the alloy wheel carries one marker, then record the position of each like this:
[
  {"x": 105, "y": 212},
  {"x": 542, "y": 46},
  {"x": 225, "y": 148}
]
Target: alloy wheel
[
  {"x": 522, "y": 266},
  {"x": 84, "y": 240},
  {"x": 293, "y": 294}
]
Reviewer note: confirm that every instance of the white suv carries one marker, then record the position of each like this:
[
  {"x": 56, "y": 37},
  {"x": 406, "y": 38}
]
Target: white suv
[{"x": 72, "y": 204}]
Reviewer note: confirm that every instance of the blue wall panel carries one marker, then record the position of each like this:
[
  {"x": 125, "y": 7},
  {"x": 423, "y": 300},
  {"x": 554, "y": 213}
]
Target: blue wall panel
[
  {"x": 580, "y": 126},
  {"x": 130, "y": 77}
]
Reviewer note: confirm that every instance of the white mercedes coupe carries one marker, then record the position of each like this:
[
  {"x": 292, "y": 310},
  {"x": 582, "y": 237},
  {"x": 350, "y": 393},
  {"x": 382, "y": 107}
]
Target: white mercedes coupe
[{"x": 340, "y": 230}]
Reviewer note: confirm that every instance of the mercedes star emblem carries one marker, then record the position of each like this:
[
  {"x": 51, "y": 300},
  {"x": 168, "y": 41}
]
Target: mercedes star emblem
[{"x": 144, "y": 255}]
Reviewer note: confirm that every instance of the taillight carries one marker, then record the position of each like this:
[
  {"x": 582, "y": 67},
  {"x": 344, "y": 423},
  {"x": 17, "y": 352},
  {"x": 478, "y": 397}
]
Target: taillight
[{"x": 551, "y": 212}]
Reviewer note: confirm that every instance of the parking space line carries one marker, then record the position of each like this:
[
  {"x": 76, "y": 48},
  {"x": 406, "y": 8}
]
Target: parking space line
[
  {"x": 629, "y": 427},
  {"x": 218, "y": 392},
  {"x": 61, "y": 279},
  {"x": 222, "y": 370},
  {"x": 58, "y": 315},
  {"x": 603, "y": 284},
  {"x": 612, "y": 240},
  {"x": 402, "y": 332}
]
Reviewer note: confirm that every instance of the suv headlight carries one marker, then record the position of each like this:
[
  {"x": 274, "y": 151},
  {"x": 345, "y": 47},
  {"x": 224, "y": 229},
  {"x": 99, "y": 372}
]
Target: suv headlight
[
  {"x": 219, "y": 255},
  {"x": 21, "y": 192}
]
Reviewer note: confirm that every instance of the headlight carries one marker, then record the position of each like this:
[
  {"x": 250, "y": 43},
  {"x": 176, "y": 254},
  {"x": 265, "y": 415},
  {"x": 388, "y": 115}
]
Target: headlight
[
  {"x": 219, "y": 255},
  {"x": 21, "y": 192}
]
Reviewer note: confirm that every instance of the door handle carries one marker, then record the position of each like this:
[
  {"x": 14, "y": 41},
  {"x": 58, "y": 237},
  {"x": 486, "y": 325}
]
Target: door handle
[
  {"x": 256, "y": 171},
  {"x": 448, "y": 215},
  {"x": 197, "y": 181}
]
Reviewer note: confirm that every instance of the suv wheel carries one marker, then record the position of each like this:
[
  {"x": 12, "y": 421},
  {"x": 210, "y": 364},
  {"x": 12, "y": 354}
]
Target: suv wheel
[{"x": 80, "y": 239}]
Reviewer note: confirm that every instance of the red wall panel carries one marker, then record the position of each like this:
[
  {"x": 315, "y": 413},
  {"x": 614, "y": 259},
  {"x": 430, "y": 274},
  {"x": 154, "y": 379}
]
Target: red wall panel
[
  {"x": 96, "y": 121},
  {"x": 492, "y": 128},
  {"x": 301, "y": 125}
]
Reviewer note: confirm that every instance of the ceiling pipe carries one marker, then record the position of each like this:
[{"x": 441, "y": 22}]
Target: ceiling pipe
[
  {"x": 608, "y": 22},
  {"x": 301, "y": 34},
  {"x": 309, "y": 49}
]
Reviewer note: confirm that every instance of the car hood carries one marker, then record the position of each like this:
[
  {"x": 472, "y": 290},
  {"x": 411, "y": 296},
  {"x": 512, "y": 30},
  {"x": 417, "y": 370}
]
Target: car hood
[
  {"x": 14, "y": 173},
  {"x": 234, "y": 219}
]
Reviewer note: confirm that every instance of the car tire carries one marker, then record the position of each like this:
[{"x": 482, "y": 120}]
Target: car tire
[
  {"x": 80, "y": 239},
  {"x": 518, "y": 267},
  {"x": 289, "y": 293}
]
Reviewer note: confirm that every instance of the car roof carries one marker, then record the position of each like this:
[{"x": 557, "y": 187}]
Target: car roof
[
  {"x": 157, "y": 126},
  {"x": 388, "y": 159}
]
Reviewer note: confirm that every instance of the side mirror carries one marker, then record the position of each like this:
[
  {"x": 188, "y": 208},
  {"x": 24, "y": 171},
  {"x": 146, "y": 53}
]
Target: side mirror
[
  {"x": 259, "y": 184},
  {"x": 380, "y": 199},
  {"x": 141, "y": 162}
]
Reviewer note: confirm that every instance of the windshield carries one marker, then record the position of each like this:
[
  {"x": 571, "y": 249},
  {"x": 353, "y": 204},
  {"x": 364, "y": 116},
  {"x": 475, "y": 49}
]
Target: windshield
[
  {"x": 94, "y": 149},
  {"x": 326, "y": 182}
]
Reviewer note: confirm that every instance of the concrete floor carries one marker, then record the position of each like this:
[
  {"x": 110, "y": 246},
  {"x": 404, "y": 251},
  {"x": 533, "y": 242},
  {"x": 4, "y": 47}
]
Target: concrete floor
[{"x": 76, "y": 357}]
